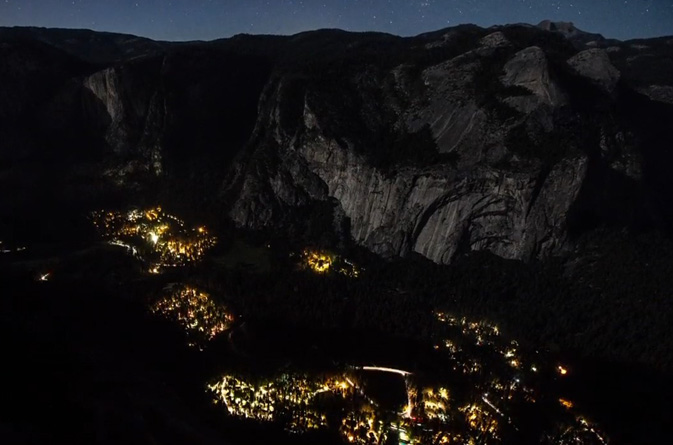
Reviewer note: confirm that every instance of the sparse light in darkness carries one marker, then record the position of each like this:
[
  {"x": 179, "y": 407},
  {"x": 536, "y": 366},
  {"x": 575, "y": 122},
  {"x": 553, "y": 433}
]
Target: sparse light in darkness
[{"x": 212, "y": 19}]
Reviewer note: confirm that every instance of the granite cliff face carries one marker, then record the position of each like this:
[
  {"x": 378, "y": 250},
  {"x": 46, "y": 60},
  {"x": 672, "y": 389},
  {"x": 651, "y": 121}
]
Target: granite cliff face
[
  {"x": 133, "y": 115},
  {"x": 511, "y": 140},
  {"x": 514, "y": 148},
  {"x": 433, "y": 210},
  {"x": 594, "y": 64}
]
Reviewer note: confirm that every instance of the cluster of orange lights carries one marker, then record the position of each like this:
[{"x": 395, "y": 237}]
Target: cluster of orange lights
[
  {"x": 318, "y": 262},
  {"x": 291, "y": 397},
  {"x": 160, "y": 239},
  {"x": 566, "y": 403},
  {"x": 323, "y": 262},
  {"x": 196, "y": 311},
  {"x": 298, "y": 402},
  {"x": 470, "y": 343}
]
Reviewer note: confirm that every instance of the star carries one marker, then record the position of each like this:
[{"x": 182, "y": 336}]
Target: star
[{"x": 211, "y": 19}]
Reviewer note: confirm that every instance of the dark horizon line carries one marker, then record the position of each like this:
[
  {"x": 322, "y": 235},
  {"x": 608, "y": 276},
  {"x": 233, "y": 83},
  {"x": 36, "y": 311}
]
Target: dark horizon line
[{"x": 320, "y": 29}]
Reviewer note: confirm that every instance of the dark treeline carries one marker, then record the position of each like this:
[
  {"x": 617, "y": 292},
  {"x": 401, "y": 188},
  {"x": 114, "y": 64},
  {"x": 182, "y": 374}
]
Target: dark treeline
[{"x": 609, "y": 302}]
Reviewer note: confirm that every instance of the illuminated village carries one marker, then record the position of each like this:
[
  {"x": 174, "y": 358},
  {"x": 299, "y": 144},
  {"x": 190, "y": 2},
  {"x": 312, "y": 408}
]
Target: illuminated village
[
  {"x": 160, "y": 240},
  {"x": 469, "y": 343},
  {"x": 488, "y": 378},
  {"x": 199, "y": 315},
  {"x": 289, "y": 398},
  {"x": 434, "y": 414},
  {"x": 323, "y": 262},
  {"x": 294, "y": 401},
  {"x": 297, "y": 402}
]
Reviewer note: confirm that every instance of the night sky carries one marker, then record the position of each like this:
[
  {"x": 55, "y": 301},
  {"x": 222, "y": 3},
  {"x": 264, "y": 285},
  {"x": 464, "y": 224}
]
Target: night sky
[{"x": 211, "y": 19}]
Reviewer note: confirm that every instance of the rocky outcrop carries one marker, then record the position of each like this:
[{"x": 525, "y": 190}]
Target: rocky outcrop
[
  {"x": 456, "y": 120},
  {"x": 529, "y": 69},
  {"x": 595, "y": 65},
  {"x": 659, "y": 93},
  {"x": 495, "y": 40},
  {"x": 435, "y": 212},
  {"x": 132, "y": 112}
]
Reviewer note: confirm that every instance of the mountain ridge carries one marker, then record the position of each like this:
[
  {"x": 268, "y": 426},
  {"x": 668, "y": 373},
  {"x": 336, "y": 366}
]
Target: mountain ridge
[
  {"x": 464, "y": 102},
  {"x": 507, "y": 173}
]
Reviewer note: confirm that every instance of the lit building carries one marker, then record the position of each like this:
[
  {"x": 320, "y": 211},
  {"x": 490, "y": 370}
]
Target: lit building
[
  {"x": 199, "y": 315},
  {"x": 323, "y": 262},
  {"x": 159, "y": 239}
]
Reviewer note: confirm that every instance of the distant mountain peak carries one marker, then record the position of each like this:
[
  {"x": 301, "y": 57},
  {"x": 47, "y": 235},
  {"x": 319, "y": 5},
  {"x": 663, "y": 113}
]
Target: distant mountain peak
[
  {"x": 564, "y": 27},
  {"x": 570, "y": 31}
]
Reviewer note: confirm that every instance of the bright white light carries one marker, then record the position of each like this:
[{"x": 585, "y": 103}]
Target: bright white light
[
  {"x": 382, "y": 369},
  {"x": 154, "y": 237}
]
